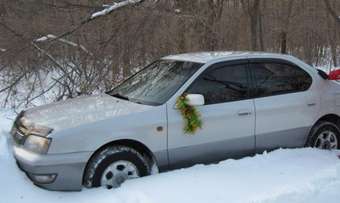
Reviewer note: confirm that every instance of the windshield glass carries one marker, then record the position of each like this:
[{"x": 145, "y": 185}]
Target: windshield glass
[{"x": 156, "y": 83}]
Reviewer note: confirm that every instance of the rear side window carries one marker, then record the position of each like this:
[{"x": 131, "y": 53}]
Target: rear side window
[
  {"x": 279, "y": 78},
  {"x": 222, "y": 84}
]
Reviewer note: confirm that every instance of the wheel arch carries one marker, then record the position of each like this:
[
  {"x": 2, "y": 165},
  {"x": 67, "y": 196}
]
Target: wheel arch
[
  {"x": 140, "y": 147},
  {"x": 333, "y": 118}
]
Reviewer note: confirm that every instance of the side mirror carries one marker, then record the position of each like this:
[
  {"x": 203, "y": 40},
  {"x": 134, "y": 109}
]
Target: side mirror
[
  {"x": 195, "y": 99},
  {"x": 334, "y": 75}
]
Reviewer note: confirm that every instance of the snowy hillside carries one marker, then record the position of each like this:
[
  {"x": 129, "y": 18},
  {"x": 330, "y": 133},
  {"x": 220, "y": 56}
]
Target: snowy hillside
[{"x": 301, "y": 175}]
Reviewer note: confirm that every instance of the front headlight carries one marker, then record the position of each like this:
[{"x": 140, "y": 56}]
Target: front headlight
[
  {"x": 32, "y": 128},
  {"x": 40, "y": 130},
  {"x": 37, "y": 144}
]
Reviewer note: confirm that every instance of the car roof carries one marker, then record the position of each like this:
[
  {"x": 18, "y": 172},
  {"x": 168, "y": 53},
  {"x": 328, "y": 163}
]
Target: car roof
[{"x": 205, "y": 57}]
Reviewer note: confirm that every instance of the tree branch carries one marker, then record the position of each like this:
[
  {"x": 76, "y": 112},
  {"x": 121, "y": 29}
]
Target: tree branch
[{"x": 51, "y": 37}]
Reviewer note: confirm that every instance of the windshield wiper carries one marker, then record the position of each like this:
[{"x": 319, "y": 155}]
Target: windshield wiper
[{"x": 120, "y": 96}]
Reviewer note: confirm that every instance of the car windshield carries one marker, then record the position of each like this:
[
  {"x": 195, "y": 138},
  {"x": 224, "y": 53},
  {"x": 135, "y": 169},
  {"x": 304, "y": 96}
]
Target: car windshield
[{"x": 156, "y": 83}]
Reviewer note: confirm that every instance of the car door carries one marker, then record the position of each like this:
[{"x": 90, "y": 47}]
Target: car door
[
  {"x": 228, "y": 118},
  {"x": 285, "y": 101}
]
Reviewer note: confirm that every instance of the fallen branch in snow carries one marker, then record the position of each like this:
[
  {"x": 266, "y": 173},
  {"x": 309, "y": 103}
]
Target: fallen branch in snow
[
  {"x": 113, "y": 7},
  {"x": 52, "y": 37},
  {"x": 69, "y": 78},
  {"x": 94, "y": 16}
]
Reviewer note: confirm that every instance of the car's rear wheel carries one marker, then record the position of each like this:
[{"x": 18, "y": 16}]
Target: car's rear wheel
[
  {"x": 113, "y": 166},
  {"x": 324, "y": 135}
]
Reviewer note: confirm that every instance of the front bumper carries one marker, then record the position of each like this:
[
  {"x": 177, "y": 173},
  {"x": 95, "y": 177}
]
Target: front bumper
[{"x": 67, "y": 169}]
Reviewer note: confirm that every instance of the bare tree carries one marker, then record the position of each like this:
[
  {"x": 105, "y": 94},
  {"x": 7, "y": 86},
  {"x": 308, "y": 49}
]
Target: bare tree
[
  {"x": 68, "y": 48},
  {"x": 332, "y": 11},
  {"x": 252, "y": 9}
]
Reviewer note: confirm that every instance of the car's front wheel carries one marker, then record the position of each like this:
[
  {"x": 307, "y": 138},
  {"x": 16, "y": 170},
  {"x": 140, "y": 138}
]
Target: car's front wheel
[
  {"x": 324, "y": 135},
  {"x": 113, "y": 166}
]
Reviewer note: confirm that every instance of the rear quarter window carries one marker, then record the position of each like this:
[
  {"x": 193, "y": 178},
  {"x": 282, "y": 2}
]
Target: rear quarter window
[{"x": 273, "y": 78}]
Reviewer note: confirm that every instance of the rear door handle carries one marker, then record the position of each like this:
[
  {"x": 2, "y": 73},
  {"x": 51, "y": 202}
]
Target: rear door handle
[{"x": 244, "y": 113}]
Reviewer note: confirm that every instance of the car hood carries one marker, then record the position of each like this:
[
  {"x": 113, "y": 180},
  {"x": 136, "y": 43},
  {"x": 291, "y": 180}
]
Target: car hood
[{"x": 81, "y": 110}]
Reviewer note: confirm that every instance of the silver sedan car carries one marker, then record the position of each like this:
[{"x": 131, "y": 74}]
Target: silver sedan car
[{"x": 249, "y": 102}]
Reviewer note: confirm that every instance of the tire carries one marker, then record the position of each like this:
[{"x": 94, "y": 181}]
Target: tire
[
  {"x": 324, "y": 135},
  {"x": 116, "y": 164}
]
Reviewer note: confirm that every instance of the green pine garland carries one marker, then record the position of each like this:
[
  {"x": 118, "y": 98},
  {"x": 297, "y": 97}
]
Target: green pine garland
[{"x": 191, "y": 116}]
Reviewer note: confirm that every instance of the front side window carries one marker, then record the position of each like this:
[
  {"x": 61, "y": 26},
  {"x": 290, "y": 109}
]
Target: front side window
[
  {"x": 155, "y": 84},
  {"x": 222, "y": 84},
  {"x": 279, "y": 78}
]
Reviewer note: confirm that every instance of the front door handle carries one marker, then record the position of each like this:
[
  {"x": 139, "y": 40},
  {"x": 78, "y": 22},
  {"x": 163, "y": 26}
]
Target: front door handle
[
  {"x": 244, "y": 113},
  {"x": 311, "y": 104}
]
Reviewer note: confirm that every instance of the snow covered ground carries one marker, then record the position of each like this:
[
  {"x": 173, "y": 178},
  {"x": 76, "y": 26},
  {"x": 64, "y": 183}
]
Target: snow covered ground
[{"x": 299, "y": 175}]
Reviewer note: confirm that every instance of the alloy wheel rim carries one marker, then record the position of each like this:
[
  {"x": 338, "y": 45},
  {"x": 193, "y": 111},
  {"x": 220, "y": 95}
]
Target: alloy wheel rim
[
  {"x": 117, "y": 173},
  {"x": 326, "y": 140}
]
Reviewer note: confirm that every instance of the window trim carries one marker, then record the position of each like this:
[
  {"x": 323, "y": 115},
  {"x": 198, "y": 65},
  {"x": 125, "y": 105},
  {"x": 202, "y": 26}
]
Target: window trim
[
  {"x": 275, "y": 61},
  {"x": 226, "y": 64}
]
